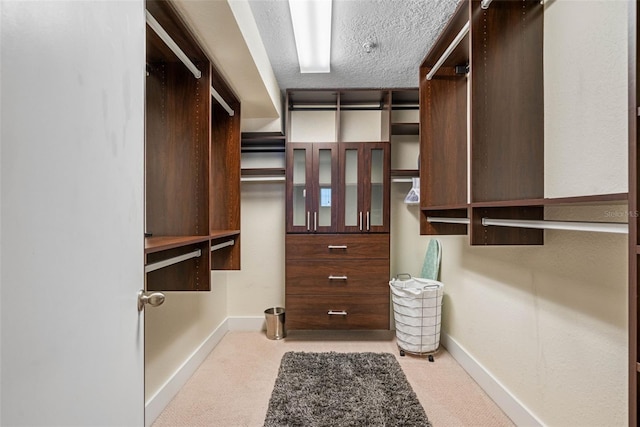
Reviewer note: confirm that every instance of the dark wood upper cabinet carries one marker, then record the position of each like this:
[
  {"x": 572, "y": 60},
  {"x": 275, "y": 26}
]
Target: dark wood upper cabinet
[{"x": 338, "y": 161}]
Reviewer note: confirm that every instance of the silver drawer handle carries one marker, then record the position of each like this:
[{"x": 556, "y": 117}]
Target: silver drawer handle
[
  {"x": 337, "y": 247},
  {"x": 332, "y": 277},
  {"x": 337, "y": 313}
]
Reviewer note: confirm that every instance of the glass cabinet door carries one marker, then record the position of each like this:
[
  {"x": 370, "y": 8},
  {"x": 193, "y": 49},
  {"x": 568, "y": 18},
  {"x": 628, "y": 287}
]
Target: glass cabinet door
[
  {"x": 377, "y": 192},
  {"x": 299, "y": 188},
  {"x": 351, "y": 216},
  {"x": 325, "y": 178}
]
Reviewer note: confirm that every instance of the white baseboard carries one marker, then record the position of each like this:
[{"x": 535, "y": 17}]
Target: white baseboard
[
  {"x": 246, "y": 323},
  {"x": 156, "y": 403},
  {"x": 510, "y": 405}
]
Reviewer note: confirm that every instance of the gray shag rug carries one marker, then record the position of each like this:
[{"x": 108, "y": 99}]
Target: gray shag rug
[{"x": 343, "y": 389}]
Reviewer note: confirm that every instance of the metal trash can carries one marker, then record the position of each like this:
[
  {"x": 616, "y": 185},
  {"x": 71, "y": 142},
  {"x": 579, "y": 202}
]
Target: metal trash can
[{"x": 274, "y": 317}]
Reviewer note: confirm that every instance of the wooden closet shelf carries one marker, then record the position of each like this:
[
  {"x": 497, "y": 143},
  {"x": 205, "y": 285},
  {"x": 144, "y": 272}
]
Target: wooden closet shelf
[
  {"x": 405, "y": 128},
  {"x": 163, "y": 243},
  {"x": 583, "y": 200},
  {"x": 219, "y": 234},
  {"x": 446, "y": 207},
  {"x": 264, "y": 172},
  {"x": 405, "y": 172}
]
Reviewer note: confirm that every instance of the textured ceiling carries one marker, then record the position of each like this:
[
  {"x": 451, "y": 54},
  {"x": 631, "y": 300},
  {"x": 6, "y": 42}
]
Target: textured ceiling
[{"x": 401, "y": 30}]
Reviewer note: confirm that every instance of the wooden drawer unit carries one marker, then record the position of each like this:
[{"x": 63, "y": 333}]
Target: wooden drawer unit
[
  {"x": 339, "y": 277},
  {"x": 337, "y": 312},
  {"x": 337, "y": 246},
  {"x": 337, "y": 281}
]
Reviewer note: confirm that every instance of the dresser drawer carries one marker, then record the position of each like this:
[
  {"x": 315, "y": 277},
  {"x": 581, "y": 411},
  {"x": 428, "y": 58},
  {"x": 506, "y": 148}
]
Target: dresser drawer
[
  {"x": 337, "y": 246},
  {"x": 340, "y": 277},
  {"x": 337, "y": 312}
]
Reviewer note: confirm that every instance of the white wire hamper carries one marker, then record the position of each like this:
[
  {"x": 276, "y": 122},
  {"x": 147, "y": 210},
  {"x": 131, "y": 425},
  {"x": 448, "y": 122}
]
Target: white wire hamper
[{"x": 417, "y": 309}]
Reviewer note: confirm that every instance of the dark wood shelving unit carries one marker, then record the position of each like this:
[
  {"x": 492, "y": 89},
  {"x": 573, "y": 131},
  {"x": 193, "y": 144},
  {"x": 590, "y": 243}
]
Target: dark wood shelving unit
[
  {"x": 192, "y": 161},
  {"x": 337, "y": 213},
  {"x": 504, "y": 53},
  {"x": 257, "y": 143},
  {"x": 443, "y": 133}
]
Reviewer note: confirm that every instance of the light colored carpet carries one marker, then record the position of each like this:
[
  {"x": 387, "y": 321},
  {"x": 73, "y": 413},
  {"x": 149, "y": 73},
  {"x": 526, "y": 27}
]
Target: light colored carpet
[{"x": 233, "y": 385}]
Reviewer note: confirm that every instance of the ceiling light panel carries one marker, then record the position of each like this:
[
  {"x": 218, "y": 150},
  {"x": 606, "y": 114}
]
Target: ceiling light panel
[{"x": 311, "y": 21}]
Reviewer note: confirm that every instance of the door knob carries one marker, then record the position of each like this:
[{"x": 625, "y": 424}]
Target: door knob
[{"x": 154, "y": 299}]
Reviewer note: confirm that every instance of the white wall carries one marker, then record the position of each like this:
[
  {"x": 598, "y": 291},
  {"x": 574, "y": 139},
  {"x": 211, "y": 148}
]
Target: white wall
[
  {"x": 260, "y": 282},
  {"x": 550, "y": 322},
  {"x": 176, "y": 329},
  {"x": 586, "y": 90}
]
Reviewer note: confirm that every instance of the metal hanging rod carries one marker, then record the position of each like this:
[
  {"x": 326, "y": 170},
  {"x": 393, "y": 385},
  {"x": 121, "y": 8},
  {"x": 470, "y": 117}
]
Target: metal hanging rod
[
  {"x": 262, "y": 179},
  {"x": 448, "y": 220},
  {"x": 167, "y": 262},
  {"x": 409, "y": 180},
  {"x": 485, "y": 4},
  {"x": 463, "y": 32},
  {"x": 222, "y": 245},
  {"x": 221, "y": 101},
  {"x": 166, "y": 38},
  {"x": 600, "y": 227}
]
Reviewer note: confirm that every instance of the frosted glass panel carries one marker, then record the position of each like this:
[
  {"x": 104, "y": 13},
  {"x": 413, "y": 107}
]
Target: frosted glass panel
[
  {"x": 299, "y": 187},
  {"x": 377, "y": 187},
  {"x": 351, "y": 188},
  {"x": 324, "y": 170}
]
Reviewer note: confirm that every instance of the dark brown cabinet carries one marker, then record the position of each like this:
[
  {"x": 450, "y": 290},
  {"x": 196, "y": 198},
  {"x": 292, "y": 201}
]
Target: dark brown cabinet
[
  {"x": 337, "y": 281},
  {"x": 192, "y": 161},
  {"x": 312, "y": 187},
  {"x": 337, "y": 243},
  {"x": 364, "y": 198}
]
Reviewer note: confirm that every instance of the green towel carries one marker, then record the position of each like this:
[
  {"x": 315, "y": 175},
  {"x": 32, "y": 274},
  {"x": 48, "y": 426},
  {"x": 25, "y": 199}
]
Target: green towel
[{"x": 431, "y": 264}]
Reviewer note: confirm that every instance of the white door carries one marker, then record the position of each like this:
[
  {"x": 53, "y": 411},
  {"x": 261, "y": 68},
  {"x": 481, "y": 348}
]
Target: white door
[{"x": 71, "y": 212}]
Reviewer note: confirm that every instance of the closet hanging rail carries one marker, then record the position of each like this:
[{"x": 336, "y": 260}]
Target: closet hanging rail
[
  {"x": 448, "y": 220},
  {"x": 222, "y": 245},
  {"x": 485, "y": 4},
  {"x": 221, "y": 101},
  {"x": 600, "y": 227},
  {"x": 167, "y": 262},
  {"x": 166, "y": 38},
  {"x": 463, "y": 32},
  {"x": 262, "y": 179}
]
